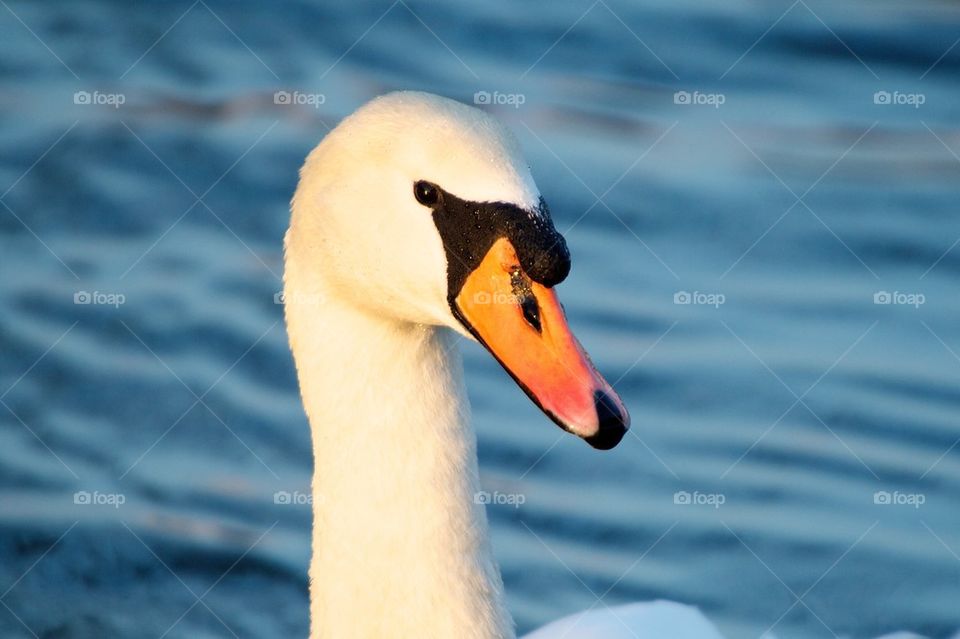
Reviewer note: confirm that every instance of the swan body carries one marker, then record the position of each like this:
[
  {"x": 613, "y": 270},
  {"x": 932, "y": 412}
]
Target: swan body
[
  {"x": 646, "y": 620},
  {"x": 416, "y": 220}
]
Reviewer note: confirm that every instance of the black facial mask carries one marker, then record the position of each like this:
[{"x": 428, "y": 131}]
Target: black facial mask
[{"x": 468, "y": 230}]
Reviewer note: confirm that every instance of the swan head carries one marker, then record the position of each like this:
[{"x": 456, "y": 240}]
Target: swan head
[{"x": 422, "y": 209}]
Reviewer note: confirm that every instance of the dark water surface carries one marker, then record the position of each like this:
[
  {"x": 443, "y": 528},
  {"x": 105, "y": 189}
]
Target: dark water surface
[{"x": 783, "y": 188}]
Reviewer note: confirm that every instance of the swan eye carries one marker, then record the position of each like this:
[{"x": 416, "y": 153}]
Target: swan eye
[{"x": 426, "y": 193}]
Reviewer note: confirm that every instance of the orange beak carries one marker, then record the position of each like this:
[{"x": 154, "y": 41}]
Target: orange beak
[{"x": 522, "y": 324}]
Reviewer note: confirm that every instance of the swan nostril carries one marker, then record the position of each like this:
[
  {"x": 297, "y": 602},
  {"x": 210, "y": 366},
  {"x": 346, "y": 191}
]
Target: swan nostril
[
  {"x": 523, "y": 293},
  {"x": 531, "y": 312}
]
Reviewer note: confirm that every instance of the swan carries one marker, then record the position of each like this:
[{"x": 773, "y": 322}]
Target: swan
[{"x": 416, "y": 220}]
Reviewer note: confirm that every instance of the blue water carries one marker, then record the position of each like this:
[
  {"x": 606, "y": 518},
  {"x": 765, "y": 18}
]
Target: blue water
[{"x": 781, "y": 189}]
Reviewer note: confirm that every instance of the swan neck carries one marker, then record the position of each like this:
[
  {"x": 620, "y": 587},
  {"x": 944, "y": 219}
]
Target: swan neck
[{"x": 400, "y": 544}]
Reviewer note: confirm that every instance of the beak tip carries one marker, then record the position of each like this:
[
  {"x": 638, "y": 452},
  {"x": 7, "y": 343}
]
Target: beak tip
[{"x": 612, "y": 422}]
